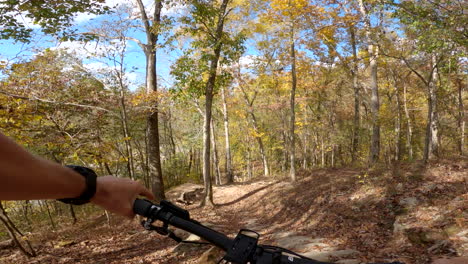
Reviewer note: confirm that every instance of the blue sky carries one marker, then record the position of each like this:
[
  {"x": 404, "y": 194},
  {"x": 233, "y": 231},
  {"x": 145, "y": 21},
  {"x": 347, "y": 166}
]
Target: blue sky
[{"x": 135, "y": 59}]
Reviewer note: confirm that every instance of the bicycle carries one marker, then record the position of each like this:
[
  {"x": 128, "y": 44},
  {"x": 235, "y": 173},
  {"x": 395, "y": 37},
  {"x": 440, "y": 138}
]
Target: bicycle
[{"x": 243, "y": 249}]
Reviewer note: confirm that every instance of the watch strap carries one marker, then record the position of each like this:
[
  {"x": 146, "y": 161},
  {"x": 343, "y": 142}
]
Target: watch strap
[{"x": 90, "y": 189}]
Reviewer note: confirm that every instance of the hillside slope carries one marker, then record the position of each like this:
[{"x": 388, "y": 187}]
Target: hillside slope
[{"x": 412, "y": 213}]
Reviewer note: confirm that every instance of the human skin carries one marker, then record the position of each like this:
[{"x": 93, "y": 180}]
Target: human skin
[{"x": 24, "y": 176}]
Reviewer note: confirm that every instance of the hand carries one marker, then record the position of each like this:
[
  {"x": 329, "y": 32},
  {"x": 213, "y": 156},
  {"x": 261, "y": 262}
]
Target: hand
[{"x": 117, "y": 195}]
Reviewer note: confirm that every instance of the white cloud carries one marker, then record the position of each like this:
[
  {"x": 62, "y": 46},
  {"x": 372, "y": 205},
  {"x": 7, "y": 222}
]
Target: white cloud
[
  {"x": 88, "y": 50},
  {"x": 83, "y": 17},
  {"x": 26, "y": 21},
  {"x": 171, "y": 10},
  {"x": 247, "y": 61},
  {"x": 97, "y": 67}
]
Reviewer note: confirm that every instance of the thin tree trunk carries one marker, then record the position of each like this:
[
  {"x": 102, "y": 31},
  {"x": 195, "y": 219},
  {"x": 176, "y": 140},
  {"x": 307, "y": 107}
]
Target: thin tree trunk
[
  {"x": 357, "y": 98},
  {"x": 284, "y": 164},
  {"x": 397, "y": 124},
  {"x": 323, "y": 153},
  {"x": 333, "y": 156},
  {"x": 171, "y": 133},
  {"x": 26, "y": 208},
  {"x": 215, "y": 155},
  {"x": 124, "y": 118},
  {"x": 154, "y": 157},
  {"x": 375, "y": 102},
  {"x": 292, "y": 118},
  {"x": 48, "y": 213},
  {"x": 190, "y": 160},
  {"x": 249, "y": 164},
  {"x": 305, "y": 152},
  {"x": 229, "y": 172},
  {"x": 11, "y": 229},
  {"x": 72, "y": 214},
  {"x": 409, "y": 133},
  {"x": 127, "y": 137},
  {"x": 431, "y": 149},
  {"x": 461, "y": 118},
  {"x": 12, "y": 235},
  {"x": 208, "y": 199},
  {"x": 258, "y": 137}
]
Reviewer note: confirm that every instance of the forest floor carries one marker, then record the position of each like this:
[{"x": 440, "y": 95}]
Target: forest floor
[{"x": 411, "y": 213}]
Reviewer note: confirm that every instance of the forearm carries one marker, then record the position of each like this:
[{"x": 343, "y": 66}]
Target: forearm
[{"x": 24, "y": 176}]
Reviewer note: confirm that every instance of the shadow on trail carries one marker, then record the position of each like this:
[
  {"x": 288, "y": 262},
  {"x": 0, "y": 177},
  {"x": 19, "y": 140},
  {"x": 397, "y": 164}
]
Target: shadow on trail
[
  {"x": 247, "y": 195},
  {"x": 356, "y": 209}
]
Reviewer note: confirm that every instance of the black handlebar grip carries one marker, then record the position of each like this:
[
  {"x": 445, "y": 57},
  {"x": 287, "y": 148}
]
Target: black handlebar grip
[{"x": 142, "y": 207}]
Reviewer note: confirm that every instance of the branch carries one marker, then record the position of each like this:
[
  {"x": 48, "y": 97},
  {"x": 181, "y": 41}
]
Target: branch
[
  {"x": 409, "y": 67},
  {"x": 57, "y": 103}
]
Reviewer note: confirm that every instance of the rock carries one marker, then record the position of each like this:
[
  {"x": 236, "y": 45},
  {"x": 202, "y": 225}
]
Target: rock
[
  {"x": 211, "y": 256},
  {"x": 193, "y": 237},
  {"x": 252, "y": 224},
  {"x": 440, "y": 247},
  {"x": 433, "y": 236},
  {"x": 279, "y": 235},
  {"x": 302, "y": 243},
  {"x": 428, "y": 188},
  {"x": 65, "y": 243},
  {"x": 409, "y": 202},
  {"x": 183, "y": 248},
  {"x": 423, "y": 236},
  {"x": 181, "y": 233},
  {"x": 189, "y": 197},
  {"x": 398, "y": 226},
  {"x": 399, "y": 187},
  {"x": 459, "y": 260},
  {"x": 7, "y": 244},
  {"x": 348, "y": 261},
  {"x": 329, "y": 255},
  {"x": 453, "y": 230}
]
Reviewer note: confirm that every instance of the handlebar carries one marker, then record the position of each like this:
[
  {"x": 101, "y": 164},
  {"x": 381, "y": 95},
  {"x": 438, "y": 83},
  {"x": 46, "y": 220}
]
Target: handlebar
[{"x": 241, "y": 250}]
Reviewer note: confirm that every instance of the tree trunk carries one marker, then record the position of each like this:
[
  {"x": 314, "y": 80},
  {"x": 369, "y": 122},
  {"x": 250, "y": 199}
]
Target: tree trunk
[
  {"x": 11, "y": 229},
  {"x": 72, "y": 214},
  {"x": 229, "y": 172},
  {"x": 357, "y": 99},
  {"x": 397, "y": 124},
  {"x": 170, "y": 133},
  {"x": 190, "y": 160},
  {"x": 323, "y": 152},
  {"x": 26, "y": 208},
  {"x": 208, "y": 199},
  {"x": 373, "y": 51},
  {"x": 292, "y": 118},
  {"x": 461, "y": 118},
  {"x": 49, "y": 214},
  {"x": 431, "y": 149},
  {"x": 215, "y": 155},
  {"x": 154, "y": 160},
  {"x": 409, "y": 133},
  {"x": 249, "y": 164},
  {"x": 126, "y": 134},
  {"x": 258, "y": 137},
  {"x": 154, "y": 157},
  {"x": 284, "y": 163}
]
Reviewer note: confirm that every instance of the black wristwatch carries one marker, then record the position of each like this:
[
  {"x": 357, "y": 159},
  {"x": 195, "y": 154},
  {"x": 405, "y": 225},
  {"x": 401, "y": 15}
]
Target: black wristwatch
[{"x": 90, "y": 188}]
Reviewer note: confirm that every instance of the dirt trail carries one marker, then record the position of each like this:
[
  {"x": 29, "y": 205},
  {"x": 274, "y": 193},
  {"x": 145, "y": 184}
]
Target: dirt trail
[{"x": 412, "y": 214}]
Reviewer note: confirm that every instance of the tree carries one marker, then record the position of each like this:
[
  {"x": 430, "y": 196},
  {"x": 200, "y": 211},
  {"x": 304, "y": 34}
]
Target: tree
[
  {"x": 152, "y": 26},
  {"x": 229, "y": 170},
  {"x": 373, "y": 50},
  {"x": 290, "y": 15},
  {"x": 54, "y": 17},
  {"x": 197, "y": 70},
  {"x": 435, "y": 30}
]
